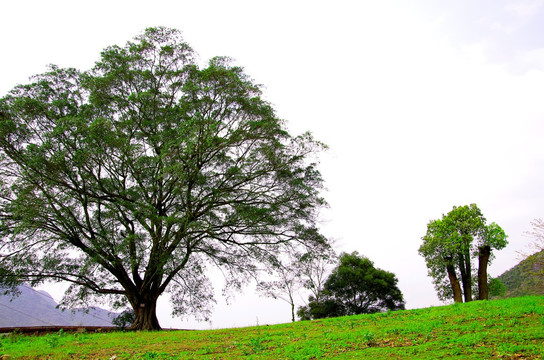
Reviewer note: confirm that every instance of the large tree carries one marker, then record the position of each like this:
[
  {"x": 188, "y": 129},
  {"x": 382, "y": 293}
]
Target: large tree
[
  {"x": 355, "y": 286},
  {"x": 451, "y": 246},
  {"x": 128, "y": 180}
]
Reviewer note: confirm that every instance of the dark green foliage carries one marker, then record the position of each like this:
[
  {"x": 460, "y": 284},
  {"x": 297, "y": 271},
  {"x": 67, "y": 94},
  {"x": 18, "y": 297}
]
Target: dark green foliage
[
  {"x": 130, "y": 179},
  {"x": 355, "y": 287},
  {"x": 326, "y": 308},
  {"x": 496, "y": 288}
]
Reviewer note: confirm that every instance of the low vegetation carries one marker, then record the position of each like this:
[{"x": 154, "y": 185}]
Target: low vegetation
[{"x": 502, "y": 329}]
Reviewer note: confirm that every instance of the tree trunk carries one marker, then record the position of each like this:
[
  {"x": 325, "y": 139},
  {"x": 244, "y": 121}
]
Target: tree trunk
[
  {"x": 469, "y": 276},
  {"x": 466, "y": 276},
  {"x": 483, "y": 260},
  {"x": 146, "y": 315},
  {"x": 292, "y": 303},
  {"x": 457, "y": 297}
]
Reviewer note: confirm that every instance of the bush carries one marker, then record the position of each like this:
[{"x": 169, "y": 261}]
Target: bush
[
  {"x": 496, "y": 288},
  {"x": 355, "y": 287},
  {"x": 124, "y": 320}
]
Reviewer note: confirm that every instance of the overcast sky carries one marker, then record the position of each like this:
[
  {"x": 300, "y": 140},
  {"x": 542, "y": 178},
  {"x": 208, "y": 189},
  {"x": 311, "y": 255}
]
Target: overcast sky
[{"x": 424, "y": 105}]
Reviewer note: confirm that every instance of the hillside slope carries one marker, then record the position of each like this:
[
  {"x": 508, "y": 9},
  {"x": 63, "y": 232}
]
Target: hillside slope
[
  {"x": 38, "y": 308},
  {"x": 500, "y": 329},
  {"x": 526, "y": 278}
]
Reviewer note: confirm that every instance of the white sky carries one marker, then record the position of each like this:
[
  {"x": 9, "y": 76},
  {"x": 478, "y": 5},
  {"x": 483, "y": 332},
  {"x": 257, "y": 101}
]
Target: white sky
[{"x": 424, "y": 105}]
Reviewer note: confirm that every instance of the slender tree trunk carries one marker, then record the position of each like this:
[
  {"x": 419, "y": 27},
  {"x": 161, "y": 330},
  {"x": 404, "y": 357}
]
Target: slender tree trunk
[
  {"x": 146, "y": 315},
  {"x": 292, "y": 303},
  {"x": 457, "y": 296},
  {"x": 469, "y": 275},
  {"x": 483, "y": 260},
  {"x": 466, "y": 276}
]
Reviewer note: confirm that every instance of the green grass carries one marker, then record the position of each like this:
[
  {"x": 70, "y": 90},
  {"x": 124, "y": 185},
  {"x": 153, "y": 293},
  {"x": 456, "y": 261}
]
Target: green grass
[{"x": 499, "y": 329}]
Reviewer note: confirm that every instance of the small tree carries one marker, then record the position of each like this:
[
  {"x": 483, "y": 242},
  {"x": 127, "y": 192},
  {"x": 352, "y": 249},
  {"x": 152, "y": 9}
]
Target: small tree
[
  {"x": 355, "y": 286},
  {"x": 296, "y": 273},
  {"x": 496, "y": 288},
  {"x": 124, "y": 320},
  {"x": 285, "y": 285},
  {"x": 537, "y": 236},
  {"x": 440, "y": 252},
  {"x": 536, "y": 252},
  {"x": 492, "y": 237},
  {"x": 450, "y": 246},
  {"x": 314, "y": 269}
]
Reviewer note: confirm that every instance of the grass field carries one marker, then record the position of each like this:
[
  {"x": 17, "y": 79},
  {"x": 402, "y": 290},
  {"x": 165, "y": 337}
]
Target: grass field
[{"x": 501, "y": 329}]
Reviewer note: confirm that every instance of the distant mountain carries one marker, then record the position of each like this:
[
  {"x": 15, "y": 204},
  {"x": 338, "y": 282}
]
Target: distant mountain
[
  {"x": 37, "y": 308},
  {"x": 526, "y": 278}
]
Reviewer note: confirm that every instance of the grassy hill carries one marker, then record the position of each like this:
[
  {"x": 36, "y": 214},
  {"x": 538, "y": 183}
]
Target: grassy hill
[
  {"x": 526, "y": 278},
  {"x": 501, "y": 329}
]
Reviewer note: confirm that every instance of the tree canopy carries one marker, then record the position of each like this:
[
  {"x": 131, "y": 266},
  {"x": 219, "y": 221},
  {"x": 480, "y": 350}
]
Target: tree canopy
[
  {"x": 451, "y": 246},
  {"x": 130, "y": 179},
  {"x": 355, "y": 286}
]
